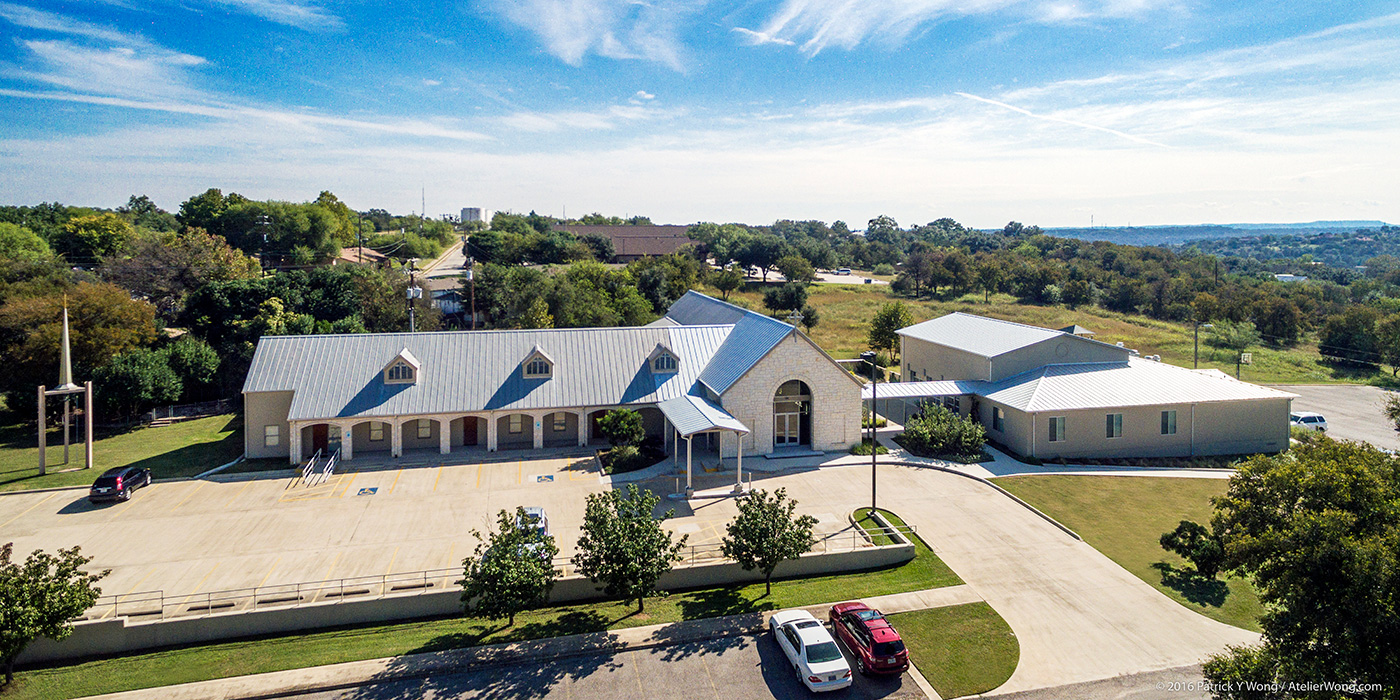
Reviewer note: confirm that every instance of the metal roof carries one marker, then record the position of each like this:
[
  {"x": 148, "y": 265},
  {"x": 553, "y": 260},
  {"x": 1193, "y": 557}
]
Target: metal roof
[
  {"x": 910, "y": 390},
  {"x": 693, "y": 414},
  {"x": 979, "y": 335},
  {"x": 754, "y": 335},
  {"x": 1137, "y": 382},
  {"x": 340, "y": 375}
]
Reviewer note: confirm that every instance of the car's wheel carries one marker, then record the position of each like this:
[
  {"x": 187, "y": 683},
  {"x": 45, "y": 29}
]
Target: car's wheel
[
  {"x": 860, "y": 666},
  {"x": 125, "y": 495},
  {"x": 148, "y": 479}
]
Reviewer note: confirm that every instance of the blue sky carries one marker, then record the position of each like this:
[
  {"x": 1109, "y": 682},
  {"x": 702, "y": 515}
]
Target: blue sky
[{"x": 1042, "y": 111}]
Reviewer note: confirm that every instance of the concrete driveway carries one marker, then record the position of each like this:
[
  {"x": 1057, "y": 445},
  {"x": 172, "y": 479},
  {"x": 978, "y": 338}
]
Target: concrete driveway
[
  {"x": 1353, "y": 411},
  {"x": 741, "y": 668}
]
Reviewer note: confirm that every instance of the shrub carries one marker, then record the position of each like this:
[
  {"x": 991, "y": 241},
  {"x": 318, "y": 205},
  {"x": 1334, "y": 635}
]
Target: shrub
[
  {"x": 939, "y": 432},
  {"x": 863, "y": 448},
  {"x": 883, "y": 269},
  {"x": 622, "y": 427},
  {"x": 1197, "y": 544}
]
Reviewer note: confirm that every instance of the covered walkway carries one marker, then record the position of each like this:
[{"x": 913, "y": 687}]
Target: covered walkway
[{"x": 690, "y": 416}]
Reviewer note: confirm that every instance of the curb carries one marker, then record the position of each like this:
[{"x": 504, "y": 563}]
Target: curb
[{"x": 988, "y": 482}]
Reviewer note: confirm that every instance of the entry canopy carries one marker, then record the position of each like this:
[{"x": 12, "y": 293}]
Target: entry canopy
[{"x": 691, "y": 415}]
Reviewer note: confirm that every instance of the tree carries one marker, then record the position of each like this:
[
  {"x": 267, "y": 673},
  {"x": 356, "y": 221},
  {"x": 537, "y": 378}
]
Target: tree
[
  {"x": 727, "y": 281},
  {"x": 1391, "y": 409},
  {"x": 87, "y": 239},
  {"x": 1388, "y": 342},
  {"x": 19, "y": 243},
  {"x": 766, "y": 533},
  {"x": 789, "y": 297},
  {"x": 164, "y": 268},
  {"x": 1317, "y": 529},
  {"x": 989, "y": 277},
  {"x": 511, "y": 570},
  {"x": 1077, "y": 293},
  {"x": 1233, "y": 336},
  {"x": 137, "y": 380},
  {"x": 885, "y": 325},
  {"x": 1350, "y": 335},
  {"x": 1278, "y": 321},
  {"x": 622, "y": 426},
  {"x": 810, "y": 318},
  {"x": 41, "y": 597},
  {"x": 195, "y": 363},
  {"x": 623, "y": 546},
  {"x": 600, "y": 245},
  {"x": 1197, "y": 544},
  {"x": 536, "y": 315},
  {"x": 796, "y": 269},
  {"x": 761, "y": 252}
]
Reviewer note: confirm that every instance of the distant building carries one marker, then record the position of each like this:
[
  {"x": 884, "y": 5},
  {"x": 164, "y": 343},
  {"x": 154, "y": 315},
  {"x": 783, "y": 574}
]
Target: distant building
[
  {"x": 1284, "y": 277},
  {"x": 470, "y": 214},
  {"x": 635, "y": 242}
]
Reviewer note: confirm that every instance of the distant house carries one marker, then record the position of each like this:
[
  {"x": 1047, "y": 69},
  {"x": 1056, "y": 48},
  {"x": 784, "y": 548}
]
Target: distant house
[
  {"x": 1078, "y": 330},
  {"x": 1285, "y": 277},
  {"x": 445, "y": 293},
  {"x": 636, "y": 242},
  {"x": 1048, "y": 394},
  {"x": 357, "y": 255}
]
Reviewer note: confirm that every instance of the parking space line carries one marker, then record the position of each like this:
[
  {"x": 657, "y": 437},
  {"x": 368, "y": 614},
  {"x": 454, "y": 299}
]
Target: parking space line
[
  {"x": 437, "y": 479},
  {"x": 191, "y": 495},
  {"x": 26, "y": 510},
  {"x": 331, "y": 568},
  {"x": 392, "y": 557},
  {"x": 269, "y": 572},
  {"x": 200, "y": 585},
  {"x": 478, "y": 475},
  {"x": 708, "y": 674},
  {"x": 395, "y": 485},
  {"x": 346, "y": 486},
  {"x": 519, "y": 471},
  {"x": 638, "y": 673},
  {"x": 240, "y": 493}
]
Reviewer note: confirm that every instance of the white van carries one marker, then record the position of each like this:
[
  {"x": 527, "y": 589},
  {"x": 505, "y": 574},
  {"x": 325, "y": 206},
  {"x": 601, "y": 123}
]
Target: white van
[{"x": 1308, "y": 421}]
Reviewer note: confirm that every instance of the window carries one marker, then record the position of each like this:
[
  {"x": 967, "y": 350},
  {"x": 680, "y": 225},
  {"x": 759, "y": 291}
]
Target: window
[
  {"x": 663, "y": 363},
  {"x": 517, "y": 424},
  {"x": 399, "y": 372},
  {"x": 1169, "y": 422},
  {"x": 536, "y": 368},
  {"x": 998, "y": 418},
  {"x": 1113, "y": 423},
  {"x": 952, "y": 403},
  {"x": 560, "y": 425},
  {"x": 1057, "y": 429},
  {"x": 272, "y": 435},
  {"x": 425, "y": 428},
  {"x": 376, "y": 432}
]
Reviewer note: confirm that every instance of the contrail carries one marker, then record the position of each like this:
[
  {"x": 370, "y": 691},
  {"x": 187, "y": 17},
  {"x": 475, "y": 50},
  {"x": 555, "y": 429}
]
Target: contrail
[{"x": 1082, "y": 125}]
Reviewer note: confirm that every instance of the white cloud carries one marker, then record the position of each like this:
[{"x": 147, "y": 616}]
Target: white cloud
[
  {"x": 121, "y": 70},
  {"x": 429, "y": 82},
  {"x": 1062, "y": 120},
  {"x": 293, "y": 13},
  {"x": 644, "y": 95},
  {"x": 624, "y": 29},
  {"x": 31, "y": 18},
  {"x": 754, "y": 38}
]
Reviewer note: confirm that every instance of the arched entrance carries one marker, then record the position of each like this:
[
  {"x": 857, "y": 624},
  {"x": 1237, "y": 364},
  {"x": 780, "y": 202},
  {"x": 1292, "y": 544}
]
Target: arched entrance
[
  {"x": 321, "y": 437},
  {"x": 792, "y": 415}
]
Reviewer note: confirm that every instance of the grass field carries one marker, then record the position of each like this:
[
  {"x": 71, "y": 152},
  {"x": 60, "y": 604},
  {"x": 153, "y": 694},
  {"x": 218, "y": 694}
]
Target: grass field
[
  {"x": 181, "y": 449},
  {"x": 197, "y": 663},
  {"x": 960, "y": 649},
  {"x": 846, "y": 311},
  {"x": 1123, "y": 516}
]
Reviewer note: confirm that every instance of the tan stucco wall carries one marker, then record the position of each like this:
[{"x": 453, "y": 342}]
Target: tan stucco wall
[
  {"x": 835, "y": 397},
  {"x": 1221, "y": 428},
  {"x": 411, "y": 441},
  {"x": 1053, "y": 351},
  {"x": 364, "y": 444},
  {"x": 562, "y": 438},
  {"x": 935, "y": 362},
  {"x": 262, "y": 409}
]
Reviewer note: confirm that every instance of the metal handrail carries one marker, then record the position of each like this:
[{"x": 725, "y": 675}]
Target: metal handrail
[{"x": 308, "y": 470}]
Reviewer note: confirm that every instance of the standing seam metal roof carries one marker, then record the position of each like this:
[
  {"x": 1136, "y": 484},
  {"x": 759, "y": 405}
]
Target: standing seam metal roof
[
  {"x": 694, "y": 414},
  {"x": 754, "y": 335}
]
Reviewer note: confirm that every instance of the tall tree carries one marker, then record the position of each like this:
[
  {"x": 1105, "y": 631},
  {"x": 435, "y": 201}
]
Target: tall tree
[
  {"x": 767, "y": 532},
  {"x": 884, "y": 327},
  {"x": 623, "y": 546},
  {"x": 511, "y": 570},
  {"x": 164, "y": 268},
  {"x": 41, "y": 597},
  {"x": 727, "y": 281}
]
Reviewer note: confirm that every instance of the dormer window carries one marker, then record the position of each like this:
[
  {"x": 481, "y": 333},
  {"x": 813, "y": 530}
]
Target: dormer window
[
  {"x": 538, "y": 365},
  {"x": 662, "y": 360},
  {"x": 403, "y": 369}
]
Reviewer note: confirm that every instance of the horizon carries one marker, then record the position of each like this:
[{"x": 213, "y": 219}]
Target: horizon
[{"x": 1056, "y": 113}]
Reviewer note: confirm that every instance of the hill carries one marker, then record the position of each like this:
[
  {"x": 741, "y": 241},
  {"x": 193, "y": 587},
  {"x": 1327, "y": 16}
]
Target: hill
[{"x": 1169, "y": 235}]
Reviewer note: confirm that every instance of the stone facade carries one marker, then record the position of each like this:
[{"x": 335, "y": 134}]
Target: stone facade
[{"x": 835, "y": 397}]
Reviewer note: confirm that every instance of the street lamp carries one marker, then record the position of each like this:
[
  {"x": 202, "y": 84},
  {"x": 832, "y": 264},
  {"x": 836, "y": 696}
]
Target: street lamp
[
  {"x": 1196, "y": 364},
  {"x": 869, "y": 357}
]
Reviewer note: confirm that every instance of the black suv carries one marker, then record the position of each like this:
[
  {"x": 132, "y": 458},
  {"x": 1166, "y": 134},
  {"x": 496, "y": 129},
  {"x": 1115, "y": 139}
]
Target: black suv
[{"x": 117, "y": 484}]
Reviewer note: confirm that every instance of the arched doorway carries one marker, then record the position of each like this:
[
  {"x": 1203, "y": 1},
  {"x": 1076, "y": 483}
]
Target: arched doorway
[{"x": 792, "y": 415}]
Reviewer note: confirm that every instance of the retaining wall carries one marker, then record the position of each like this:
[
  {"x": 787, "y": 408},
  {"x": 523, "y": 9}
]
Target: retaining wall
[{"x": 121, "y": 635}]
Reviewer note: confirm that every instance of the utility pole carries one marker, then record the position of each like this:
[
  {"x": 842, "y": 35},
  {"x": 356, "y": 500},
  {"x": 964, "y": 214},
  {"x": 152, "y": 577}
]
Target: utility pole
[
  {"x": 1197, "y": 363},
  {"x": 413, "y": 292},
  {"x": 869, "y": 356},
  {"x": 471, "y": 278}
]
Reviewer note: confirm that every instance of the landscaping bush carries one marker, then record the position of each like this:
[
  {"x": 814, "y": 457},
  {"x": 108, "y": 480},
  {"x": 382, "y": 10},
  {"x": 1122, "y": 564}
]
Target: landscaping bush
[
  {"x": 629, "y": 458},
  {"x": 864, "y": 448},
  {"x": 939, "y": 432}
]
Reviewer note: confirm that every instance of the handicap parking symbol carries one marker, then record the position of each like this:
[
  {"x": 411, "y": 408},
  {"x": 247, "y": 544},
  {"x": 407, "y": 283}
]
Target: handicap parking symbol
[
  {"x": 544, "y": 478},
  {"x": 369, "y": 491}
]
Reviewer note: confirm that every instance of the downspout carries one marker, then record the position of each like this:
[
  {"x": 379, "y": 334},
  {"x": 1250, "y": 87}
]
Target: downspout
[
  {"x": 1033, "y": 434},
  {"x": 1193, "y": 430}
]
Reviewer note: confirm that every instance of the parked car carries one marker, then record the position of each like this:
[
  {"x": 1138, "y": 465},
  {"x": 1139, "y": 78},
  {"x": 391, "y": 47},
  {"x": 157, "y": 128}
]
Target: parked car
[
  {"x": 870, "y": 638},
  {"x": 810, "y": 649},
  {"x": 844, "y": 271},
  {"x": 1308, "y": 421},
  {"x": 535, "y": 518},
  {"x": 118, "y": 483}
]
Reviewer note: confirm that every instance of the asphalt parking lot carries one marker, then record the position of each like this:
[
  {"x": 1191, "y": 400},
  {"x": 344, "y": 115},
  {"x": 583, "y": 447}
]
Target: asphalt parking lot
[
  {"x": 741, "y": 668},
  {"x": 1353, "y": 411}
]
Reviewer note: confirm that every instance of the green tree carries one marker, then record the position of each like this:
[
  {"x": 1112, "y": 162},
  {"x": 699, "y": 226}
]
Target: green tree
[
  {"x": 536, "y": 315},
  {"x": 1077, "y": 293},
  {"x": 789, "y": 297},
  {"x": 1350, "y": 335},
  {"x": 195, "y": 363},
  {"x": 938, "y": 432},
  {"x": 1197, "y": 544},
  {"x": 622, "y": 427},
  {"x": 19, "y": 243},
  {"x": 510, "y": 571},
  {"x": 137, "y": 380},
  {"x": 1317, "y": 530},
  {"x": 1391, "y": 408},
  {"x": 989, "y": 278},
  {"x": 87, "y": 239},
  {"x": 767, "y": 532},
  {"x": 795, "y": 268},
  {"x": 762, "y": 252},
  {"x": 810, "y": 318},
  {"x": 623, "y": 546},
  {"x": 727, "y": 281},
  {"x": 884, "y": 327},
  {"x": 164, "y": 268},
  {"x": 1388, "y": 341},
  {"x": 41, "y": 597},
  {"x": 1234, "y": 336},
  {"x": 1278, "y": 321}
]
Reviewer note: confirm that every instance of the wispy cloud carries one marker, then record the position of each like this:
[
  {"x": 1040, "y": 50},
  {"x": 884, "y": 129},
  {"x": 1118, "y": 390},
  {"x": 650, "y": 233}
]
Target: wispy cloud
[
  {"x": 1062, "y": 120},
  {"x": 624, "y": 29},
  {"x": 31, "y": 18},
  {"x": 753, "y": 38},
  {"x": 293, "y": 13}
]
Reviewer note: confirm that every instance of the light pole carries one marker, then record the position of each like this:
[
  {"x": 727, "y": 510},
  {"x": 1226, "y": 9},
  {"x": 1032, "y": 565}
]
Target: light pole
[
  {"x": 874, "y": 389},
  {"x": 1196, "y": 364},
  {"x": 413, "y": 292}
]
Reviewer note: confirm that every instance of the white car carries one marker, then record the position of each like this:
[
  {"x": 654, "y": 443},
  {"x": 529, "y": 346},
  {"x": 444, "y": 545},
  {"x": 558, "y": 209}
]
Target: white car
[
  {"x": 811, "y": 650},
  {"x": 1308, "y": 421}
]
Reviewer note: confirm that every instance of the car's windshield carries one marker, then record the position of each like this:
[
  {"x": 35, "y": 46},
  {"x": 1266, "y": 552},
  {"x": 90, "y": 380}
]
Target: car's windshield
[
  {"x": 822, "y": 652},
  {"x": 888, "y": 648},
  {"x": 867, "y": 615}
]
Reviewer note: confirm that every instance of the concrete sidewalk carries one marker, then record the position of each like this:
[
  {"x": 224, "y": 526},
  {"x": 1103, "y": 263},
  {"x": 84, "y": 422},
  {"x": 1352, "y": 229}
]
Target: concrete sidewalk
[{"x": 356, "y": 673}]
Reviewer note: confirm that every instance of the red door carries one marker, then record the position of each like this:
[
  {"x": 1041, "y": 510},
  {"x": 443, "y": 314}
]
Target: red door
[
  {"x": 469, "y": 431},
  {"x": 320, "y": 437}
]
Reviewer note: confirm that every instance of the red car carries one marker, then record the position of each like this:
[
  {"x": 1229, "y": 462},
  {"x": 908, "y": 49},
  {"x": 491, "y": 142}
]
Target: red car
[{"x": 870, "y": 638}]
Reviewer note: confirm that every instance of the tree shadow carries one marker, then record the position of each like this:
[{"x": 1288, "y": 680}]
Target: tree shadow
[
  {"x": 724, "y": 601},
  {"x": 1194, "y": 587}
]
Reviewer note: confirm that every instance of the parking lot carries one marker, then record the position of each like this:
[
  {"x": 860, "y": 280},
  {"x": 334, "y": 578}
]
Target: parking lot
[
  {"x": 187, "y": 539},
  {"x": 1353, "y": 411},
  {"x": 735, "y": 667}
]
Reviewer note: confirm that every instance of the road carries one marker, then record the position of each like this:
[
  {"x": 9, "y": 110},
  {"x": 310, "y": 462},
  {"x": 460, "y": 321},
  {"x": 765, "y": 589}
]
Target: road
[
  {"x": 736, "y": 668},
  {"x": 1353, "y": 411}
]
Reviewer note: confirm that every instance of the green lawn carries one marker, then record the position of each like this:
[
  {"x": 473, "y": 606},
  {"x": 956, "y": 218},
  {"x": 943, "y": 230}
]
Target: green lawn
[
  {"x": 846, "y": 311},
  {"x": 960, "y": 649},
  {"x": 181, "y": 449},
  {"x": 1123, "y": 516},
  {"x": 298, "y": 651}
]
